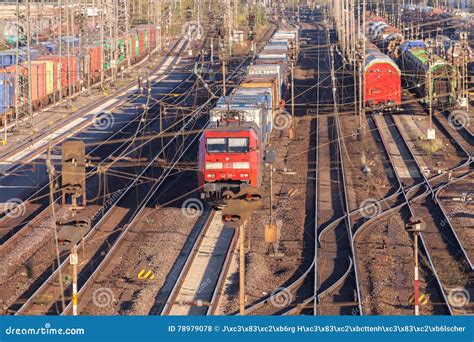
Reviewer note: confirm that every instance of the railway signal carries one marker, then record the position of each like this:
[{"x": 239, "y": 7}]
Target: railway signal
[
  {"x": 70, "y": 233},
  {"x": 240, "y": 206},
  {"x": 416, "y": 226},
  {"x": 73, "y": 176}
]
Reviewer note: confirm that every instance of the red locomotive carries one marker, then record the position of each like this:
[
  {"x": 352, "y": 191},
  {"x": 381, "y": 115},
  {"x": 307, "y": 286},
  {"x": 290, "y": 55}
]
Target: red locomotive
[
  {"x": 230, "y": 157},
  {"x": 232, "y": 147}
]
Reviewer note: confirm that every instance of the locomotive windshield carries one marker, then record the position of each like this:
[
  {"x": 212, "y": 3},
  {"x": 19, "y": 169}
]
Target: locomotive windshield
[
  {"x": 227, "y": 145},
  {"x": 216, "y": 145},
  {"x": 238, "y": 145}
]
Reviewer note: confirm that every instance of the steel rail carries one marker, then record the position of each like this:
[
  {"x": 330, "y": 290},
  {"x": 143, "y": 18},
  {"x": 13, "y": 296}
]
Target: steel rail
[
  {"x": 7, "y": 242},
  {"x": 433, "y": 192},
  {"x": 408, "y": 203},
  {"x": 91, "y": 231},
  {"x": 89, "y": 281}
]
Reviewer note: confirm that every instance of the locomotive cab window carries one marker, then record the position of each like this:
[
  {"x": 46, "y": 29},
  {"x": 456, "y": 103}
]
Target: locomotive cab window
[
  {"x": 216, "y": 145},
  {"x": 238, "y": 145},
  {"x": 227, "y": 145}
]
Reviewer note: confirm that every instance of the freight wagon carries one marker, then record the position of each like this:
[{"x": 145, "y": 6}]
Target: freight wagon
[
  {"x": 51, "y": 72},
  {"x": 382, "y": 80},
  {"x": 436, "y": 78}
]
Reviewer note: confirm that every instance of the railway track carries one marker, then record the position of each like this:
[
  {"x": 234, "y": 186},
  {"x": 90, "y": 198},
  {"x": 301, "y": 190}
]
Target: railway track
[
  {"x": 335, "y": 255},
  {"x": 101, "y": 232},
  {"x": 454, "y": 199},
  {"x": 434, "y": 241},
  {"x": 32, "y": 211},
  {"x": 116, "y": 231},
  {"x": 200, "y": 281},
  {"x": 384, "y": 245},
  {"x": 163, "y": 303}
]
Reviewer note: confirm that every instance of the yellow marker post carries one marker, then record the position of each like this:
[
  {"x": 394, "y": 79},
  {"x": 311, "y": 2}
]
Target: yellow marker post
[{"x": 73, "y": 260}]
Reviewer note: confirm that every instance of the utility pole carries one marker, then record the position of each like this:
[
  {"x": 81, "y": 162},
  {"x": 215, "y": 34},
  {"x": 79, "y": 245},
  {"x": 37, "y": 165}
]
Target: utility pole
[
  {"x": 73, "y": 261},
  {"x": 17, "y": 51},
  {"x": 242, "y": 270},
  {"x": 292, "y": 130},
  {"x": 102, "y": 42},
  {"x": 430, "y": 134},
  {"x": 416, "y": 226},
  {"x": 464, "y": 91},
  {"x": 68, "y": 52},
  {"x": 28, "y": 56},
  {"x": 60, "y": 48}
]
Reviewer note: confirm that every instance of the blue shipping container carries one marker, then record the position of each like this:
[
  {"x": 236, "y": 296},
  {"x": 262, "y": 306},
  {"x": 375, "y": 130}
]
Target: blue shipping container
[{"x": 7, "y": 92}]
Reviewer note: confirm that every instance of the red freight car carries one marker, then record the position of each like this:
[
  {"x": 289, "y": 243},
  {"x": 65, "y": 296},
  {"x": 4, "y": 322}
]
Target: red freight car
[
  {"x": 141, "y": 43},
  {"x": 95, "y": 57},
  {"x": 152, "y": 37},
  {"x": 68, "y": 75},
  {"x": 39, "y": 97},
  {"x": 382, "y": 80}
]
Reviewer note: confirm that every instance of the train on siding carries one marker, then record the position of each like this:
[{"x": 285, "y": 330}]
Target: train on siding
[
  {"x": 231, "y": 148},
  {"x": 52, "y": 72},
  {"x": 382, "y": 80},
  {"x": 427, "y": 76}
]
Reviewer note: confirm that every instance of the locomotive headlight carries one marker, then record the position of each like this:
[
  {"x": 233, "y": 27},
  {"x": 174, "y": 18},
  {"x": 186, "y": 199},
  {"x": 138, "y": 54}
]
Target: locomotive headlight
[
  {"x": 244, "y": 175},
  {"x": 211, "y": 175}
]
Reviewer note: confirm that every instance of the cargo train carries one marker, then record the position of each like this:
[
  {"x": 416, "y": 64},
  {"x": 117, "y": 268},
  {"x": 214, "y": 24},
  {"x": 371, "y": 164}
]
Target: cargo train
[
  {"x": 424, "y": 75},
  {"x": 50, "y": 72},
  {"x": 231, "y": 148}
]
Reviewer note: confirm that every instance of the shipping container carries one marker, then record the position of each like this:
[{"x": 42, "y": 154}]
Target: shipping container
[
  {"x": 265, "y": 82},
  {"x": 245, "y": 112},
  {"x": 141, "y": 44},
  {"x": 152, "y": 40},
  {"x": 95, "y": 57},
  {"x": 49, "y": 77},
  {"x": 37, "y": 83},
  {"x": 282, "y": 61},
  {"x": 7, "y": 92},
  {"x": 268, "y": 69},
  {"x": 8, "y": 58},
  {"x": 68, "y": 74}
]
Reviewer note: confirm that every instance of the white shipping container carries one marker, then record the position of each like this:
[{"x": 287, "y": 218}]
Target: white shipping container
[
  {"x": 248, "y": 114},
  {"x": 281, "y": 47},
  {"x": 265, "y": 55},
  {"x": 267, "y": 69}
]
